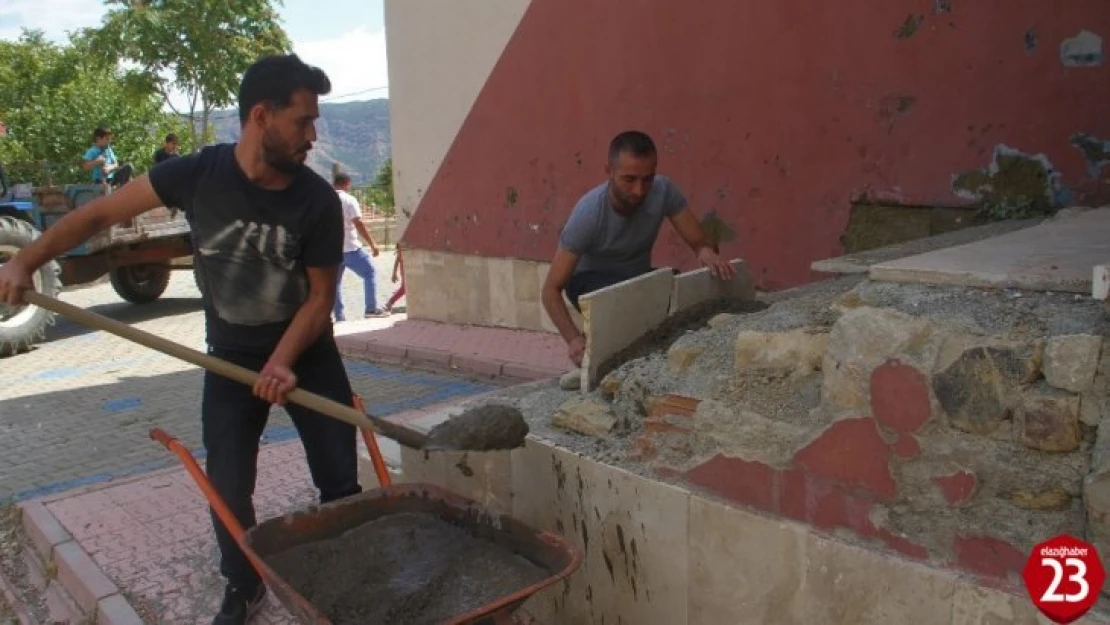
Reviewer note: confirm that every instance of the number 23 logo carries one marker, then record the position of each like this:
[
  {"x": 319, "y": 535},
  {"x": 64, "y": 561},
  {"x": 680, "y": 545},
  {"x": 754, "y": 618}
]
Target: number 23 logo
[{"x": 1052, "y": 594}]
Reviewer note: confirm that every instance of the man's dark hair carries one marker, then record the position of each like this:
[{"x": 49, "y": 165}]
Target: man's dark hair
[
  {"x": 273, "y": 79},
  {"x": 170, "y": 138},
  {"x": 631, "y": 142},
  {"x": 340, "y": 179},
  {"x": 100, "y": 132}
]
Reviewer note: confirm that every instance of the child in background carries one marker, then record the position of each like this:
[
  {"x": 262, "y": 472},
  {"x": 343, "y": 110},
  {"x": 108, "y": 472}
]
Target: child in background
[{"x": 398, "y": 268}]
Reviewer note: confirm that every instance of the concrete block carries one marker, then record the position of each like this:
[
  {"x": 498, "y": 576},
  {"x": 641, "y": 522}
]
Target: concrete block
[
  {"x": 698, "y": 286},
  {"x": 616, "y": 316},
  {"x": 1100, "y": 282},
  {"x": 633, "y": 533}
]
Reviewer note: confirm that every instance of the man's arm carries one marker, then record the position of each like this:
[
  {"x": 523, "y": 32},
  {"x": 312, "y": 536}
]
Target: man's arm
[
  {"x": 365, "y": 234},
  {"x": 694, "y": 235},
  {"x": 132, "y": 199},
  {"x": 562, "y": 267}
]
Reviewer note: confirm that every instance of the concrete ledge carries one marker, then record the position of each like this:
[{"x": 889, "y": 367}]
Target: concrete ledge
[
  {"x": 660, "y": 553},
  {"x": 79, "y": 581}
]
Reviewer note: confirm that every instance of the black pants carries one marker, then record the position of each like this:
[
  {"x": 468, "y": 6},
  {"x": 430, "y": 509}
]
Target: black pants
[
  {"x": 590, "y": 281},
  {"x": 232, "y": 419},
  {"x": 121, "y": 176}
]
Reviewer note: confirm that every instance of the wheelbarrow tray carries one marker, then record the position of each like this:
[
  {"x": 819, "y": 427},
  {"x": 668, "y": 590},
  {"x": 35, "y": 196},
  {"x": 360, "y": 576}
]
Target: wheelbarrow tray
[{"x": 550, "y": 552}]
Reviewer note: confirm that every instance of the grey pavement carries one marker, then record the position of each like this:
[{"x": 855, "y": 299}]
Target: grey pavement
[{"x": 77, "y": 409}]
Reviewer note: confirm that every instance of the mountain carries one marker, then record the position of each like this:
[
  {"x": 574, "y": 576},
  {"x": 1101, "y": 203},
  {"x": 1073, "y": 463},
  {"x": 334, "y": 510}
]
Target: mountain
[{"x": 354, "y": 134}]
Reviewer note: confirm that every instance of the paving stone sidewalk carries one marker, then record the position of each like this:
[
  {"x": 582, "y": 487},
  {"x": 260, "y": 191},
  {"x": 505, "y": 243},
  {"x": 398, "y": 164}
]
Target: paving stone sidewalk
[{"x": 78, "y": 408}]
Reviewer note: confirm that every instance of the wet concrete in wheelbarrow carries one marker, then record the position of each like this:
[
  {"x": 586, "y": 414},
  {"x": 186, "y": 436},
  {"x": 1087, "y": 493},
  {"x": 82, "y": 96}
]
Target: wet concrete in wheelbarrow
[{"x": 403, "y": 569}]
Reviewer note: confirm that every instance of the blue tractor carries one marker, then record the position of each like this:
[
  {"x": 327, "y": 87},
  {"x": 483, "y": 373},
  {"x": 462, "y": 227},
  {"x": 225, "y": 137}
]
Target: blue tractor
[{"x": 137, "y": 256}]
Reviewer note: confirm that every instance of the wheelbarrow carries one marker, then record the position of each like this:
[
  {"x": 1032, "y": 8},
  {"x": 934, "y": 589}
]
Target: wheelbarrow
[{"x": 550, "y": 552}]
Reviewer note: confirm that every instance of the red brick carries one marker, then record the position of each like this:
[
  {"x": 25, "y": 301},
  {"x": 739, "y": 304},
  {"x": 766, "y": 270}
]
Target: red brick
[
  {"x": 902, "y": 545},
  {"x": 900, "y": 397},
  {"x": 985, "y": 555},
  {"x": 956, "y": 488},
  {"x": 746, "y": 482},
  {"x": 853, "y": 453},
  {"x": 642, "y": 449},
  {"x": 906, "y": 447},
  {"x": 675, "y": 405},
  {"x": 658, "y": 425},
  {"x": 385, "y": 350}
]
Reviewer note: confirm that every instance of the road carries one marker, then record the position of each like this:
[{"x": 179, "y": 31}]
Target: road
[{"x": 77, "y": 409}]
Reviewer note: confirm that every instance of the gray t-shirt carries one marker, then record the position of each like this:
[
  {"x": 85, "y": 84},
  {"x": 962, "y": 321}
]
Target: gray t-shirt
[{"x": 604, "y": 240}]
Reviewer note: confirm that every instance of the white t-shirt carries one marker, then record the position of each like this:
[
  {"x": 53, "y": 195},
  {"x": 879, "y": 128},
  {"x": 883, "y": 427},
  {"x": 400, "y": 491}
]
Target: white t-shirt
[{"x": 351, "y": 212}]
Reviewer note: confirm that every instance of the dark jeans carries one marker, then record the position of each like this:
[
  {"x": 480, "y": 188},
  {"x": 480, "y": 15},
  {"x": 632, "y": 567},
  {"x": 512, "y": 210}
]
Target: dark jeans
[
  {"x": 590, "y": 281},
  {"x": 232, "y": 419}
]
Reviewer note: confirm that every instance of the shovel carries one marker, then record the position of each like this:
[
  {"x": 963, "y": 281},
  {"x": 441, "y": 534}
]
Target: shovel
[{"x": 482, "y": 429}]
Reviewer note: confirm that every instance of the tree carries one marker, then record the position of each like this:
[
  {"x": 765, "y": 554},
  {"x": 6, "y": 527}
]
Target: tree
[
  {"x": 383, "y": 183},
  {"x": 54, "y": 96},
  {"x": 196, "y": 47}
]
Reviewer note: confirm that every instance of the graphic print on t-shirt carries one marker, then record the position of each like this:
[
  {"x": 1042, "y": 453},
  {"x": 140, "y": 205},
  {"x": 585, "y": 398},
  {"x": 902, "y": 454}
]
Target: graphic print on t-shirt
[{"x": 251, "y": 271}]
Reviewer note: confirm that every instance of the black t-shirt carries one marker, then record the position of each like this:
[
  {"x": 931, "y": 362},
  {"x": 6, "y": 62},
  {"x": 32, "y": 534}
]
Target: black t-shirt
[
  {"x": 162, "y": 155},
  {"x": 252, "y": 245}
]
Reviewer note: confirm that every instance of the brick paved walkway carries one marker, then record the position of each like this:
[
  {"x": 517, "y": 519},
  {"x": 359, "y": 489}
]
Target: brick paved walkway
[{"x": 77, "y": 409}]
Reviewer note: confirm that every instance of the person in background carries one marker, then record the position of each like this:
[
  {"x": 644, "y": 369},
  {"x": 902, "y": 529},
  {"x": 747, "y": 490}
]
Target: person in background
[
  {"x": 168, "y": 150},
  {"x": 398, "y": 270},
  {"x": 355, "y": 257},
  {"x": 101, "y": 160}
]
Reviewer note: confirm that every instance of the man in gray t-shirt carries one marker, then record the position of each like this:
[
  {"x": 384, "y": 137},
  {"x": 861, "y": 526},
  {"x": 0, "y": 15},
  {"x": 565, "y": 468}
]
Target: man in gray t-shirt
[{"x": 612, "y": 230}]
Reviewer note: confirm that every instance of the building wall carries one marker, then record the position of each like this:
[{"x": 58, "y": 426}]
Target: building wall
[{"x": 774, "y": 117}]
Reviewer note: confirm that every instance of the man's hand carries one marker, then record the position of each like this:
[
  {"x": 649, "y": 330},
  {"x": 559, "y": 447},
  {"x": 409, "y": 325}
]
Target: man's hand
[
  {"x": 719, "y": 267},
  {"x": 14, "y": 280},
  {"x": 394, "y": 279},
  {"x": 275, "y": 381},
  {"x": 374, "y": 250},
  {"x": 576, "y": 349}
]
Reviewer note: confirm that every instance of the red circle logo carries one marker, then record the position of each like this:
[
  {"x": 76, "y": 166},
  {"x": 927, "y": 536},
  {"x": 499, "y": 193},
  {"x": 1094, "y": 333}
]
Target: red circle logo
[{"x": 1064, "y": 577}]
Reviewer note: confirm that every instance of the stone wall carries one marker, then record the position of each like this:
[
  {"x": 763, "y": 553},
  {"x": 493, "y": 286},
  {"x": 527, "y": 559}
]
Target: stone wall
[{"x": 951, "y": 426}]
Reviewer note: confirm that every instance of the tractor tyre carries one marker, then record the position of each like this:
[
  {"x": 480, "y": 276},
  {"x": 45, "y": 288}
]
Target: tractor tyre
[
  {"x": 23, "y": 326},
  {"x": 141, "y": 284}
]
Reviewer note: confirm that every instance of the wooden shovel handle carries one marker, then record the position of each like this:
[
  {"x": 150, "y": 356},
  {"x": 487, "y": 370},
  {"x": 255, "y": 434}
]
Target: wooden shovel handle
[{"x": 309, "y": 400}]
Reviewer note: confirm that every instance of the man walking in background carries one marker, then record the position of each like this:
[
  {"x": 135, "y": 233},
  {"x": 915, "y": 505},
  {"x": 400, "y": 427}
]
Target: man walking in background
[
  {"x": 269, "y": 237},
  {"x": 355, "y": 257}
]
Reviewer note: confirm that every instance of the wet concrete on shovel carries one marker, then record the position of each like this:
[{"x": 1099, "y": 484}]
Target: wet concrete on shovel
[{"x": 405, "y": 568}]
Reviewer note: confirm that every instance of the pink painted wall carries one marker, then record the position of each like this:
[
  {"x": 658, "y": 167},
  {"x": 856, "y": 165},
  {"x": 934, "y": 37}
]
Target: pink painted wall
[{"x": 773, "y": 115}]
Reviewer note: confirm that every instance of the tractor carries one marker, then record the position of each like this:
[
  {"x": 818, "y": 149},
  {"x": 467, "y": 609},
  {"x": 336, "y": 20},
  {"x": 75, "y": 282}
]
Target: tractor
[{"x": 137, "y": 256}]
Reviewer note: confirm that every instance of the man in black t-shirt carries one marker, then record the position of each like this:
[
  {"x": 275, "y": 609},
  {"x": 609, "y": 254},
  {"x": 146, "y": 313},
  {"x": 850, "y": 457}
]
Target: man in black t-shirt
[
  {"x": 168, "y": 149},
  {"x": 268, "y": 234}
]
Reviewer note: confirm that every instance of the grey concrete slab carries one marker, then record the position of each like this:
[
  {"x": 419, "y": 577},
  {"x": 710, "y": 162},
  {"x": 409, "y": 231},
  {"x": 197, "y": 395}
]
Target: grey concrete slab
[
  {"x": 699, "y": 286},
  {"x": 614, "y": 317},
  {"x": 1056, "y": 255}
]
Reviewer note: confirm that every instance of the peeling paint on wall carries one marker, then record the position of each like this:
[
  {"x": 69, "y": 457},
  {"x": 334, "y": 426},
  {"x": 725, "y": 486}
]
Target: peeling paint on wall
[
  {"x": 1095, "y": 150},
  {"x": 1014, "y": 180},
  {"x": 1030, "y": 40},
  {"x": 716, "y": 229},
  {"x": 1082, "y": 50},
  {"x": 909, "y": 27}
]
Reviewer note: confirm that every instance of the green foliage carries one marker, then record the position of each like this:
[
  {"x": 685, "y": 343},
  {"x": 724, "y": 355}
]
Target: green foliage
[
  {"x": 52, "y": 99},
  {"x": 380, "y": 192},
  {"x": 197, "y": 47}
]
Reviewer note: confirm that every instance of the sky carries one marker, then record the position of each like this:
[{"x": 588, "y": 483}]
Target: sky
[{"x": 345, "y": 38}]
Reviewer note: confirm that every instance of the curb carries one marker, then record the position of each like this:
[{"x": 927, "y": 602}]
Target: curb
[
  {"x": 88, "y": 586},
  {"x": 442, "y": 360}
]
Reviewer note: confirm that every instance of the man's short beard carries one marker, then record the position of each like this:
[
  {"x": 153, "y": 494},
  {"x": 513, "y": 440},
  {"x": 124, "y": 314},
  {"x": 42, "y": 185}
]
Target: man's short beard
[{"x": 274, "y": 154}]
